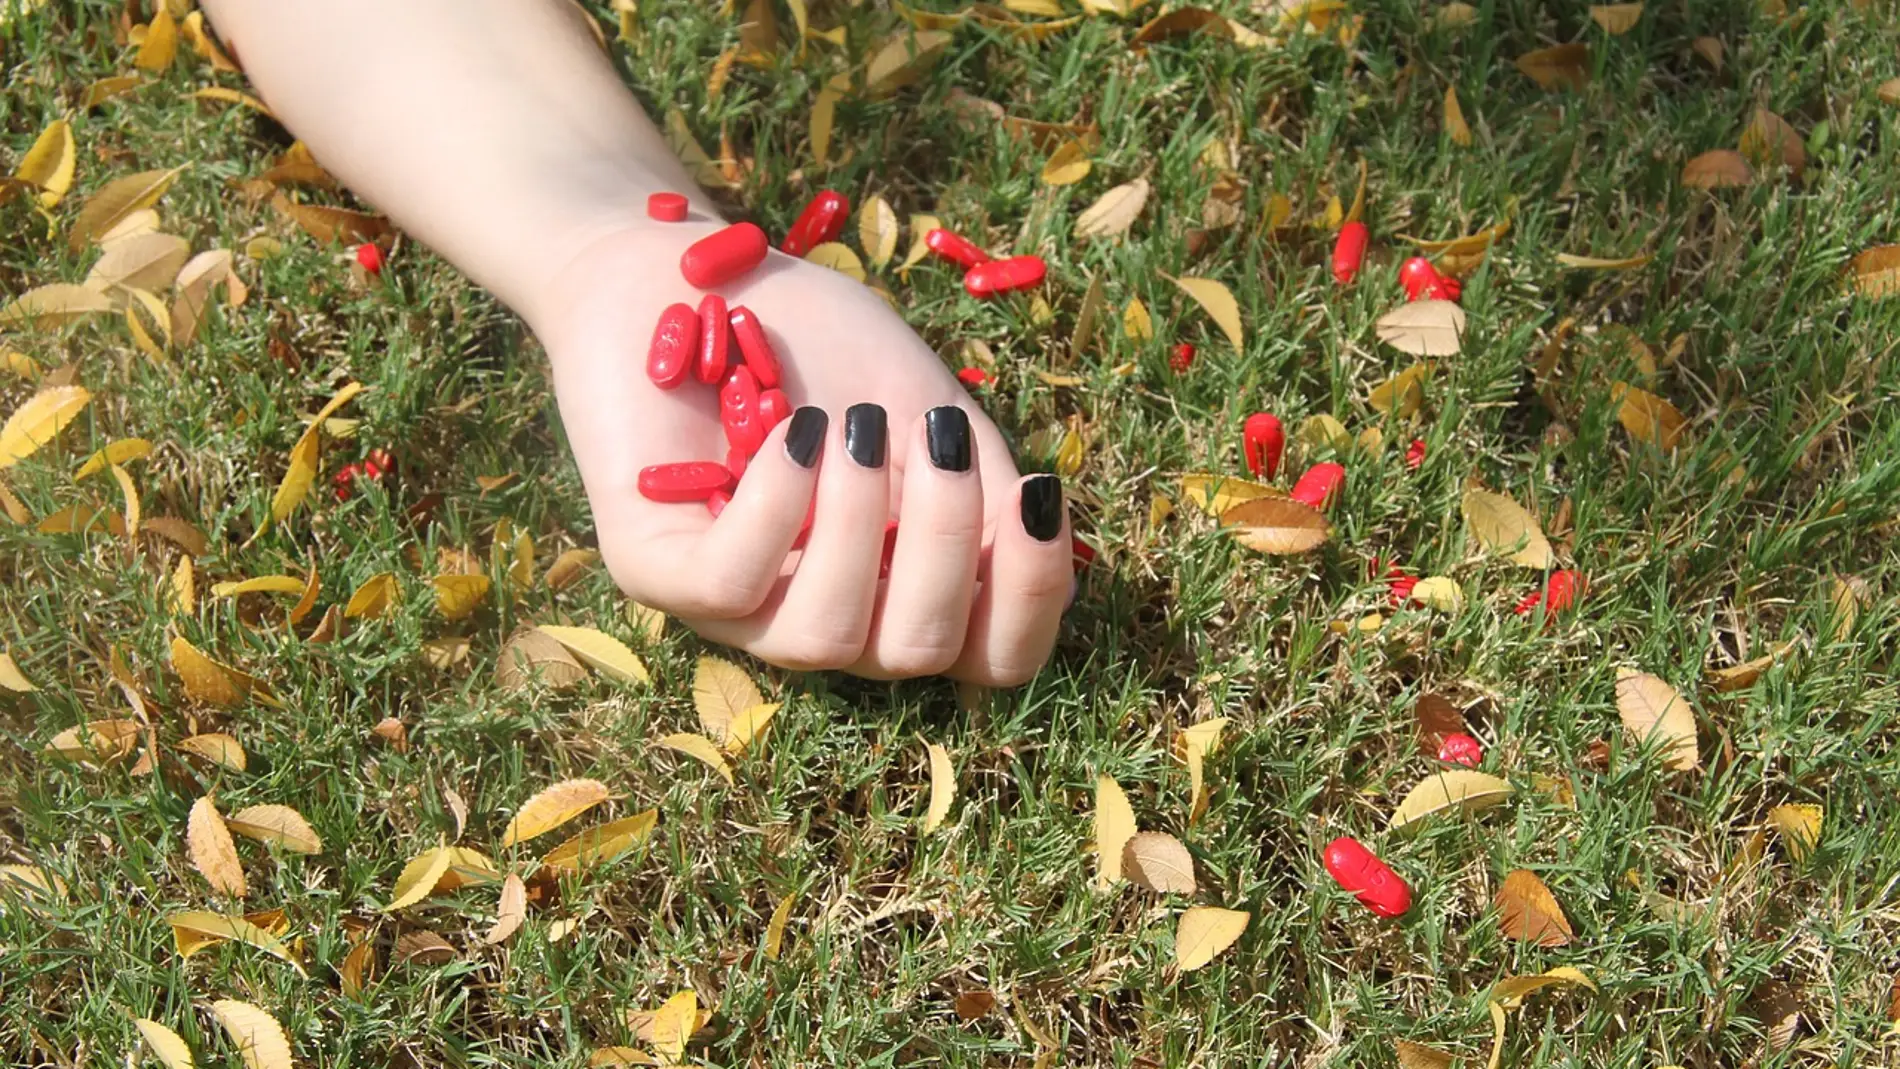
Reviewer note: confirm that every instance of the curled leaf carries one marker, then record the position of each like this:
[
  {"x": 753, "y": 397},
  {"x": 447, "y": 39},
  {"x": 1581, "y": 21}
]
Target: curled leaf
[
  {"x": 1720, "y": 168},
  {"x": 701, "y": 749},
  {"x": 1461, "y": 789},
  {"x": 38, "y": 420},
  {"x": 603, "y": 843},
  {"x": 1218, "y": 301},
  {"x": 602, "y": 652},
  {"x": 943, "y": 787},
  {"x": 1114, "y": 826}
]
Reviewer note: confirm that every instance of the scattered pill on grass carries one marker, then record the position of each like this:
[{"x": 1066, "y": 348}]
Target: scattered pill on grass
[
  {"x": 1360, "y": 872},
  {"x": 1559, "y": 594},
  {"x": 821, "y": 221},
  {"x": 675, "y": 346},
  {"x": 370, "y": 258},
  {"x": 1263, "y": 440},
  {"x": 1415, "y": 454},
  {"x": 955, "y": 247},
  {"x": 1459, "y": 748},
  {"x": 1182, "y": 356},
  {"x": 973, "y": 377},
  {"x": 1320, "y": 484},
  {"x": 1005, "y": 276},
  {"x": 723, "y": 255},
  {"x": 1349, "y": 252}
]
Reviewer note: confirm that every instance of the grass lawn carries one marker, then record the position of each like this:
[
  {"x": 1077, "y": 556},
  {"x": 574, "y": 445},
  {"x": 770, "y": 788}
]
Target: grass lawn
[{"x": 1712, "y": 937}]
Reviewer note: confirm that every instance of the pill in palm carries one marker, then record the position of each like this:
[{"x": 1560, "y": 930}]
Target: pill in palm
[
  {"x": 821, "y": 221},
  {"x": 1367, "y": 878},
  {"x": 1005, "y": 276},
  {"x": 666, "y": 207},
  {"x": 715, "y": 340},
  {"x": 695, "y": 480},
  {"x": 774, "y": 408},
  {"x": 723, "y": 255},
  {"x": 717, "y": 503},
  {"x": 755, "y": 347},
  {"x": 739, "y": 410},
  {"x": 675, "y": 344},
  {"x": 955, "y": 247}
]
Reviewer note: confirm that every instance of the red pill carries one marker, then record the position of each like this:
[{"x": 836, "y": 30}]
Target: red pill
[
  {"x": 370, "y": 258},
  {"x": 1461, "y": 749},
  {"x": 1349, "y": 252},
  {"x": 715, "y": 340},
  {"x": 666, "y": 207},
  {"x": 739, "y": 410},
  {"x": 675, "y": 344},
  {"x": 890, "y": 548},
  {"x": 1262, "y": 440},
  {"x": 736, "y": 461},
  {"x": 1182, "y": 357},
  {"x": 717, "y": 503},
  {"x": 973, "y": 377},
  {"x": 955, "y": 247},
  {"x": 774, "y": 409},
  {"x": 695, "y": 480},
  {"x": 1560, "y": 592},
  {"x": 1081, "y": 554},
  {"x": 1366, "y": 878},
  {"x": 378, "y": 461},
  {"x": 1397, "y": 580},
  {"x": 1415, "y": 454},
  {"x": 1416, "y": 275},
  {"x": 1319, "y": 487},
  {"x": 1445, "y": 289},
  {"x": 345, "y": 479},
  {"x": 821, "y": 221},
  {"x": 755, "y": 347},
  {"x": 723, "y": 255},
  {"x": 1005, "y": 276}
]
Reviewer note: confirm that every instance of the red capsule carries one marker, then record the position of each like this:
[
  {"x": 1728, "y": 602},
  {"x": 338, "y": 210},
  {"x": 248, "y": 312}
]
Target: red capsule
[
  {"x": 378, "y": 461},
  {"x": 1182, "y": 357},
  {"x": 1397, "y": 580},
  {"x": 1349, "y": 252},
  {"x": 739, "y": 410},
  {"x": 1415, "y": 454},
  {"x": 723, "y": 255},
  {"x": 973, "y": 377},
  {"x": 955, "y": 247},
  {"x": 1005, "y": 276},
  {"x": 1262, "y": 440},
  {"x": 1416, "y": 275},
  {"x": 736, "y": 461},
  {"x": 666, "y": 207},
  {"x": 755, "y": 347},
  {"x": 1081, "y": 554},
  {"x": 890, "y": 548},
  {"x": 1461, "y": 749},
  {"x": 1560, "y": 593},
  {"x": 1366, "y": 878},
  {"x": 1445, "y": 289},
  {"x": 821, "y": 221},
  {"x": 345, "y": 479},
  {"x": 715, "y": 340},
  {"x": 370, "y": 258},
  {"x": 675, "y": 344},
  {"x": 1320, "y": 485},
  {"x": 717, "y": 503},
  {"x": 695, "y": 480},
  {"x": 774, "y": 409}
]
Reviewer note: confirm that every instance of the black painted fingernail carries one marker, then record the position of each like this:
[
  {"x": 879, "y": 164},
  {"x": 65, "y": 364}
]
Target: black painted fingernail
[
  {"x": 864, "y": 434},
  {"x": 1042, "y": 507},
  {"x": 947, "y": 434},
  {"x": 805, "y": 436}
]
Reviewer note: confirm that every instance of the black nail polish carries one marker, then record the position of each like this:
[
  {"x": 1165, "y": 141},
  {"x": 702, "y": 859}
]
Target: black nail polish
[
  {"x": 947, "y": 434},
  {"x": 865, "y": 431},
  {"x": 805, "y": 436},
  {"x": 1042, "y": 507}
]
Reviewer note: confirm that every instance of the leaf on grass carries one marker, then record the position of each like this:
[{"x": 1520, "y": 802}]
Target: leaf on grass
[
  {"x": 1114, "y": 211},
  {"x": 38, "y": 420},
  {"x": 1067, "y": 165},
  {"x": 1616, "y": 19},
  {"x": 1277, "y": 526},
  {"x": 1800, "y": 827},
  {"x": 606, "y": 1057},
  {"x": 11, "y": 678},
  {"x": 1558, "y": 67},
  {"x": 775, "y": 927},
  {"x": 1528, "y": 911},
  {"x": 259, "y": 1038},
  {"x": 200, "y": 275},
  {"x": 603, "y": 843},
  {"x": 160, "y": 46},
  {"x": 118, "y": 199},
  {"x": 122, "y": 451},
  {"x": 357, "y": 968},
  {"x": 943, "y": 787},
  {"x": 749, "y": 727},
  {"x": 602, "y": 652},
  {"x": 1721, "y": 168},
  {"x": 1423, "y": 328},
  {"x": 701, "y": 749},
  {"x": 418, "y": 878},
  {"x": 1511, "y": 991},
  {"x": 1740, "y": 676},
  {"x": 568, "y": 568},
  {"x": 1875, "y": 272},
  {"x": 1455, "y": 126},
  {"x": 1137, "y": 324},
  {"x": 673, "y": 1024},
  {"x": 278, "y": 824},
  {"x": 1217, "y": 494},
  {"x": 1770, "y": 142},
  {"x": 554, "y": 807},
  {"x": 263, "y": 584},
  {"x": 1181, "y": 22},
  {"x": 213, "y": 853},
  {"x": 206, "y": 680},
  {"x": 194, "y": 930},
  {"x": 1418, "y": 1056},
  {"x": 55, "y": 305},
  {"x": 458, "y": 596},
  {"x": 1442, "y": 792},
  {"x": 373, "y": 597},
  {"x": 839, "y": 257},
  {"x": 877, "y": 231},
  {"x": 510, "y": 912},
  {"x": 529, "y": 651},
  {"x": 1158, "y": 861},
  {"x": 1440, "y": 594},
  {"x": 221, "y": 95},
  {"x": 166, "y": 1044},
  {"x": 1647, "y": 417},
  {"x": 920, "y": 227},
  {"x": 147, "y": 262},
  {"x": 1197, "y": 744},
  {"x": 1501, "y": 525},
  {"x": 302, "y": 469},
  {"x": 902, "y": 60},
  {"x": 1205, "y": 931},
  {"x": 97, "y": 741},
  {"x": 1218, "y": 301},
  {"x": 218, "y": 748},
  {"x": 332, "y": 225},
  {"x": 49, "y": 163},
  {"x": 1402, "y": 394},
  {"x": 1650, "y": 707},
  {"x": 1114, "y": 826}
]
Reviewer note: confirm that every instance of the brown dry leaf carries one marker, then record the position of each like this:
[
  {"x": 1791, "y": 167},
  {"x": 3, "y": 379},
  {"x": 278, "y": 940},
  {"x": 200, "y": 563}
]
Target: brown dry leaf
[
  {"x": 511, "y": 912},
  {"x": 1419, "y": 1056},
  {"x": 446, "y": 652},
  {"x": 1217, "y": 494},
  {"x": 1769, "y": 142},
  {"x": 839, "y": 257},
  {"x": 218, "y": 748},
  {"x": 277, "y": 824},
  {"x": 1740, "y": 676},
  {"x": 1528, "y": 911},
  {"x": 1158, "y": 861},
  {"x": 1721, "y": 168},
  {"x": 55, "y": 305},
  {"x": 1875, "y": 272},
  {"x": 195, "y": 930},
  {"x": 1114, "y": 826},
  {"x": 1114, "y": 211},
  {"x": 220, "y": 95},
  {"x": 201, "y": 275},
  {"x": 38, "y": 420},
  {"x": 877, "y": 231},
  {"x": 11, "y": 677},
  {"x": 603, "y": 843},
  {"x": 1558, "y": 67},
  {"x": 568, "y": 567},
  {"x": 1616, "y": 19},
  {"x": 1502, "y": 525},
  {"x": 1888, "y": 93},
  {"x": 1651, "y": 707},
  {"x": 1277, "y": 526},
  {"x": 554, "y": 807},
  {"x": 1205, "y": 931},
  {"x": 359, "y": 965},
  {"x": 943, "y": 787},
  {"x": 602, "y": 652},
  {"x": 1647, "y": 417},
  {"x": 99, "y": 742},
  {"x": 528, "y": 651},
  {"x": 422, "y": 947},
  {"x": 298, "y": 167},
  {"x": 902, "y": 60},
  {"x": 1218, "y": 301},
  {"x": 1800, "y": 827},
  {"x": 1137, "y": 324},
  {"x": 701, "y": 749},
  {"x": 118, "y": 199},
  {"x": 1067, "y": 165},
  {"x": 975, "y": 1005},
  {"x": 1437, "y": 717},
  {"x": 458, "y": 596},
  {"x": 256, "y": 1034},
  {"x": 775, "y": 927},
  {"x": 1402, "y": 394},
  {"x": 1461, "y": 789},
  {"x": 1455, "y": 126},
  {"x": 331, "y": 225},
  {"x": 1179, "y": 23},
  {"x": 49, "y": 164},
  {"x": 1424, "y": 328},
  {"x": 213, "y": 853}
]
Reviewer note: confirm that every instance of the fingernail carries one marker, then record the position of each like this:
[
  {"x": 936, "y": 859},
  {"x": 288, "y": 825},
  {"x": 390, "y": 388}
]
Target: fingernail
[
  {"x": 864, "y": 434},
  {"x": 947, "y": 434},
  {"x": 1042, "y": 507},
  {"x": 805, "y": 435}
]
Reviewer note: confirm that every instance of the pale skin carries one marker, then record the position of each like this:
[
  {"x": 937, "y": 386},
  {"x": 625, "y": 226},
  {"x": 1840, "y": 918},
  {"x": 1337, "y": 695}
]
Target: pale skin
[{"x": 497, "y": 134}]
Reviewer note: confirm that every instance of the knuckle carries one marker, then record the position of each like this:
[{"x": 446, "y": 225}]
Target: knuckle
[
  {"x": 724, "y": 595},
  {"x": 919, "y": 649},
  {"x": 818, "y": 653}
]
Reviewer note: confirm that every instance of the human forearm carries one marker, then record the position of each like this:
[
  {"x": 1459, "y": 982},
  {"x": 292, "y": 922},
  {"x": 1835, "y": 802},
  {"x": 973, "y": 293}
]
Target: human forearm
[{"x": 497, "y": 134}]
